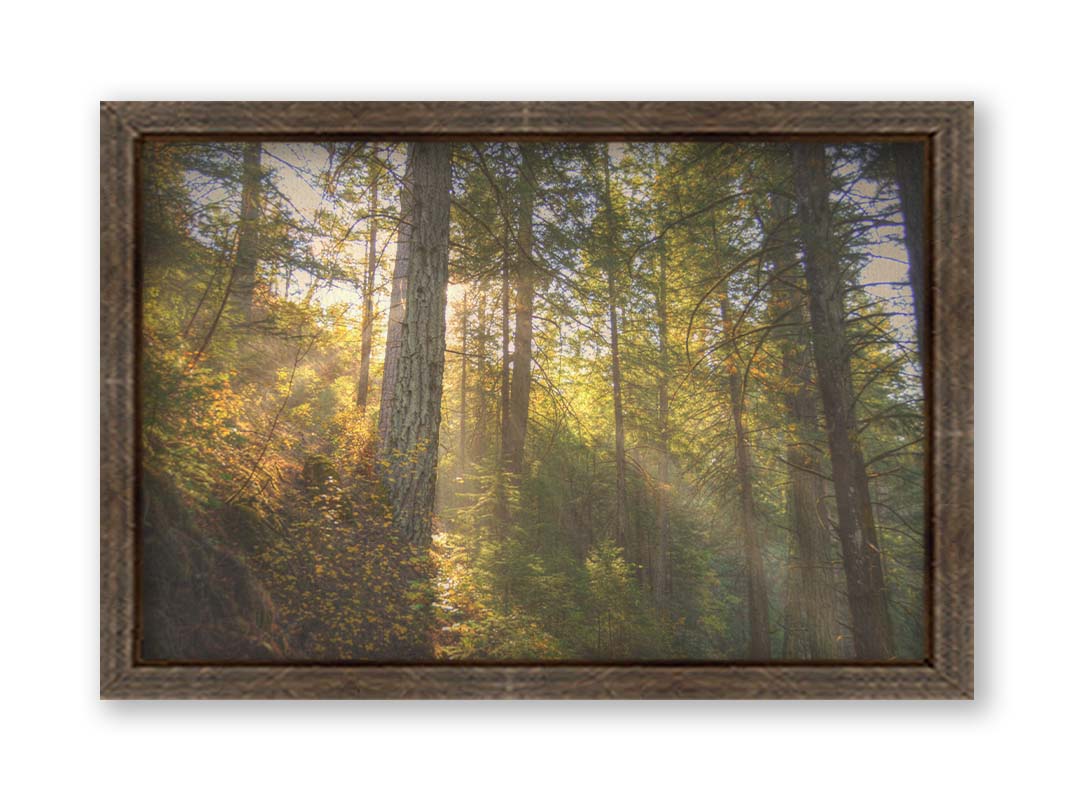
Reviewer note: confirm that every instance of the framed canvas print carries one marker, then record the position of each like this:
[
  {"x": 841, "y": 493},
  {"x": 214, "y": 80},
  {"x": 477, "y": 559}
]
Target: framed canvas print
[{"x": 546, "y": 400}]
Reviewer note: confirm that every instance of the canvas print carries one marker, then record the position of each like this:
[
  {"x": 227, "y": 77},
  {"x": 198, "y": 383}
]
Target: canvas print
[{"x": 532, "y": 401}]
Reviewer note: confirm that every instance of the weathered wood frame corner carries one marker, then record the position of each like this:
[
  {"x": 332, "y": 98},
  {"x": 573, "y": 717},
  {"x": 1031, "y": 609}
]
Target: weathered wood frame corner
[{"x": 947, "y": 127}]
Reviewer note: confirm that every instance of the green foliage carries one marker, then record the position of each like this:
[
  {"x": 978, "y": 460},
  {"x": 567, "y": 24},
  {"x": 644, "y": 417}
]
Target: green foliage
[{"x": 271, "y": 464}]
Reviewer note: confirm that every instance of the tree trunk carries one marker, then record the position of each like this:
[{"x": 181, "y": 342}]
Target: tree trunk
[
  {"x": 247, "y": 256},
  {"x": 814, "y": 598},
  {"x": 482, "y": 423},
  {"x": 462, "y": 447},
  {"x": 855, "y": 521},
  {"x": 759, "y": 629},
  {"x": 910, "y": 169},
  {"x": 410, "y": 446},
  {"x": 397, "y": 302},
  {"x": 367, "y": 333},
  {"x": 524, "y": 302},
  {"x": 810, "y": 525},
  {"x": 661, "y": 546},
  {"x": 621, "y": 510},
  {"x": 505, "y": 353}
]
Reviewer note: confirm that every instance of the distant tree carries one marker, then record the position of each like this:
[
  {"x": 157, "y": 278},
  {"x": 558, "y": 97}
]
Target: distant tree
[
  {"x": 613, "y": 267},
  {"x": 369, "y": 275},
  {"x": 759, "y": 631},
  {"x": 244, "y": 283},
  {"x": 525, "y": 274}
]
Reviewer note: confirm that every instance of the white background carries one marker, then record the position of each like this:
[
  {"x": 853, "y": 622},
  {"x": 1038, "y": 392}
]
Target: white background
[{"x": 59, "y": 62}]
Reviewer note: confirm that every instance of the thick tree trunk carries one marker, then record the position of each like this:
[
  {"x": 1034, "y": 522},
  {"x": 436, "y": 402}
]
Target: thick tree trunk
[
  {"x": 515, "y": 441},
  {"x": 814, "y": 550},
  {"x": 397, "y": 302},
  {"x": 855, "y": 521},
  {"x": 910, "y": 169},
  {"x": 411, "y": 441},
  {"x": 621, "y": 508},
  {"x": 369, "y": 275},
  {"x": 759, "y": 628},
  {"x": 814, "y": 598},
  {"x": 247, "y": 256}
]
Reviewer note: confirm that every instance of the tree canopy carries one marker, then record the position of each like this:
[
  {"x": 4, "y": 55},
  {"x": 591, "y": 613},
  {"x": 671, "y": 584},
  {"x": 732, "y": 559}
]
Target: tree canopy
[{"x": 535, "y": 400}]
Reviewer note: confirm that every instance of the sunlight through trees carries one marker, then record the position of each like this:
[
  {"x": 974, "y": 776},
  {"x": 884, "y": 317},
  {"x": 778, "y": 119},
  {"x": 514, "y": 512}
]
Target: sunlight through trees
[{"x": 494, "y": 401}]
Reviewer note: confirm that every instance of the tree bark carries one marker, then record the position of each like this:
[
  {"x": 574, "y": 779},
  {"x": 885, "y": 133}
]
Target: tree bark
[
  {"x": 411, "y": 442},
  {"x": 247, "y": 256},
  {"x": 910, "y": 170},
  {"x": 522, "y": 359},
  {"x": 397, "y": 302},
  {"x": 369, "y": 275},
  {"x": 826, "y": 280},
  {"x": 810, "y": 525}
]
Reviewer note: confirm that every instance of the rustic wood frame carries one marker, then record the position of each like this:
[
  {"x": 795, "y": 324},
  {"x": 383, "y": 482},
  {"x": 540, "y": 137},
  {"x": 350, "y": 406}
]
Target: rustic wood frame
[{"x": 947, "y": 128}]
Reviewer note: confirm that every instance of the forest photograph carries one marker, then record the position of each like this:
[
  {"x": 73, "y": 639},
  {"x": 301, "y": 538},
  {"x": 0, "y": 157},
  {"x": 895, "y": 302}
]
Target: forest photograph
[{"x": 529, "y": 401}]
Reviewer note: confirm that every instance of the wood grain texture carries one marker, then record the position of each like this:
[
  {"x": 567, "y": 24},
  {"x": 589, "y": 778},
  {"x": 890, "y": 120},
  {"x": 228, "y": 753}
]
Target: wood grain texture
[
  {"x": 118, "y": 401},
  {"x": 406, "y": 120},
  {"x": 947, "y": 128}
]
